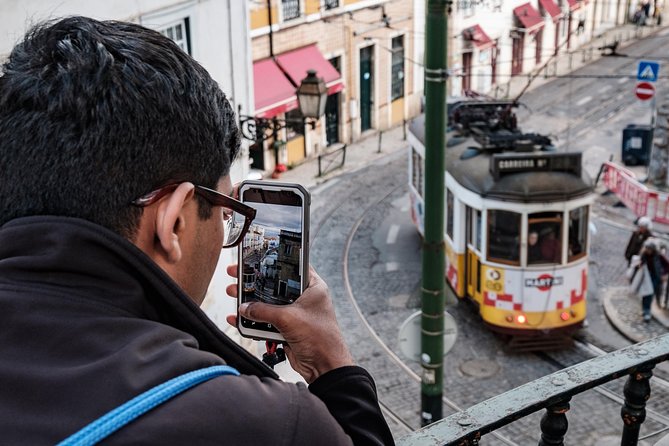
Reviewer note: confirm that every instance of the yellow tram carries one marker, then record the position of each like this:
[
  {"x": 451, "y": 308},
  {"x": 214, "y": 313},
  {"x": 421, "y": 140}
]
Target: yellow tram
[{"x": 516, "y": 228}]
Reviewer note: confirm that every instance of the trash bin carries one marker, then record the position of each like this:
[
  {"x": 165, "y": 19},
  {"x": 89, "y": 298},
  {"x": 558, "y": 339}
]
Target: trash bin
[{"x": 637, "y": 142}]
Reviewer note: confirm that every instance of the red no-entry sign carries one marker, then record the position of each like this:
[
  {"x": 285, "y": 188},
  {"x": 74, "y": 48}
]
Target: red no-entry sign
[{"x": 644, "y": 90}]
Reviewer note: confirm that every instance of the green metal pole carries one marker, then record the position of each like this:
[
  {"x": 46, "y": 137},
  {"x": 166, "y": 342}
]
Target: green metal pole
[{"x": 434, "y": 263}]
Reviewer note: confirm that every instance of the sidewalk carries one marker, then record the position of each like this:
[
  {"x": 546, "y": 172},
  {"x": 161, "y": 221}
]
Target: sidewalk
[
  {"x": 624, "y": 311},
  {"x": 359, "y": 154}
]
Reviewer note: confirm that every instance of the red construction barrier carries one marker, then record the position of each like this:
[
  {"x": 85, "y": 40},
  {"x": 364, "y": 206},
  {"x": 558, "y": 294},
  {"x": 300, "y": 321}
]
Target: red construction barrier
[{"x": 636, "y": 196}]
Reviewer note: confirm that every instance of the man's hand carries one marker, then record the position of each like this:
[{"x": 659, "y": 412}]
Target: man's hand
[{"x": 314, "y": 344}]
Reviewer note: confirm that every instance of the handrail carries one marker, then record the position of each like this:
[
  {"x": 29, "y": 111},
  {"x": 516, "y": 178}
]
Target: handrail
[{"x": 552, "y": 392}]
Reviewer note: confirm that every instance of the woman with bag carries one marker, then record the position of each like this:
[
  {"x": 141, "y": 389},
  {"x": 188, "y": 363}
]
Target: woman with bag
[{"x": 646, "y": 280}]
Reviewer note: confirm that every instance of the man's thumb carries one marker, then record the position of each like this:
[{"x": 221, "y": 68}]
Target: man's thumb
[{"x": 256, "y": 311}]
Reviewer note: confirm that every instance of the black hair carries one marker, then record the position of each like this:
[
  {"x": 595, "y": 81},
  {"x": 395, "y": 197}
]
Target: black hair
[{"x": 96, "y": 114}]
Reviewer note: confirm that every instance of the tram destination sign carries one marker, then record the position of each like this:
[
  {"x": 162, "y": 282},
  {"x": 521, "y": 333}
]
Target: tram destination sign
[{"x": 507, "y": 163}]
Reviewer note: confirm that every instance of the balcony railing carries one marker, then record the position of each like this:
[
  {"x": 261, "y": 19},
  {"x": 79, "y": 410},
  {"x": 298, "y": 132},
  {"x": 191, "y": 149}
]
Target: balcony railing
[
  {"x": 291, "y": 9},
  {"x": 553, "y": 393},
  {"x": 331, "y": 4}
]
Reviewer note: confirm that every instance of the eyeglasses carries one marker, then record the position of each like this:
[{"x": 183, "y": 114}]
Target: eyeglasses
[{"x": 237, "y": 216}]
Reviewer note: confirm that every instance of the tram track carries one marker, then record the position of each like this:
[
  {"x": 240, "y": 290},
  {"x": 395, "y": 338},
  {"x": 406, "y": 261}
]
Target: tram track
[{"x": 374, "y": 335}]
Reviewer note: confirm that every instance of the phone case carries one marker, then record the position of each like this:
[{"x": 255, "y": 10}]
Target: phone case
[{"x": 306, "y": 202}]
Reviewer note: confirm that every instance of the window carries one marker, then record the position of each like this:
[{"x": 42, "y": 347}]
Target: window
[
  {"x": 450, "y": 209},
  {"x": 477, "y": 231},
  {"x": 397, "y": 70},
  {"x": 578, "y": 233},
  {"x": 504, "y": 237},
  {"x": 417, "y": 171},
  {"x": 466, "y": 7},
  {"x": 296, "y": 126},
  {"x": 544, "y": 238},
  {"x": 291, "y": 9},
  {"x": 330, "y": 4},
  {"x": 180, "y": 33}
]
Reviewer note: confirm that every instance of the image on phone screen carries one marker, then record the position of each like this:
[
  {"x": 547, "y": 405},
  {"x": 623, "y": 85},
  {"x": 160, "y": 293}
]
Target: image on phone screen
[{"x": 271, "y": 250}]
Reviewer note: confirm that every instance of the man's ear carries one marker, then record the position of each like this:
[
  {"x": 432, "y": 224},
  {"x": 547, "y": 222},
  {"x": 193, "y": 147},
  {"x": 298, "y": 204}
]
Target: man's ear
[{"x": 170, "y": 221}]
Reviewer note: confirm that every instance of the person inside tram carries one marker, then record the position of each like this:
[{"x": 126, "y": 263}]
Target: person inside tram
[
  {"x": 533, "y": 248},
  {"x": 550, "y": 246}
]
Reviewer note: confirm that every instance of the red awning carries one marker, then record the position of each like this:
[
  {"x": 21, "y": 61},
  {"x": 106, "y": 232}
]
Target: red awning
[
  {"x": 274, "y": 94},
  {"x": 551, "y": 8},
  {"x": 478, "y": 37},
  {"x": 295, "y": 63},
  {"x": 529, "y": 17},
  {"x": 574, "y": 4}
]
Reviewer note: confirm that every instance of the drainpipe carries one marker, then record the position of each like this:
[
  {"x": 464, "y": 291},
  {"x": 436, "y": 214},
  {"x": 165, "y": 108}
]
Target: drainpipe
[{"x": 271, "y": 36}]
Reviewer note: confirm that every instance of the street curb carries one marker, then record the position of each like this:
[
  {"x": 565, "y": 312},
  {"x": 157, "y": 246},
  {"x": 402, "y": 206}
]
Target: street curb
[{"x": 612, "y": 316}]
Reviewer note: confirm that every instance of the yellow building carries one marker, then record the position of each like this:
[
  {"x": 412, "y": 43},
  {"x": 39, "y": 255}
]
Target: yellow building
[{"x": 364, "y": 51}]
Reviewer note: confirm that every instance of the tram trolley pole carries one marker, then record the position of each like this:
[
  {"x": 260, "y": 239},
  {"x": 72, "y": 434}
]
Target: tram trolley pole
[{"x": 433, "y": 256}]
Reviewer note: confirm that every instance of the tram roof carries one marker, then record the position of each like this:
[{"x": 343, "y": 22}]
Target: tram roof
[{"x": 526, "y": 186}]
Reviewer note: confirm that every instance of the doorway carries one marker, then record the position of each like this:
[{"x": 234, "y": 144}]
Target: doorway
[
  {"x": 366, "y": 84},
  {"x": 332, "y": 119}
]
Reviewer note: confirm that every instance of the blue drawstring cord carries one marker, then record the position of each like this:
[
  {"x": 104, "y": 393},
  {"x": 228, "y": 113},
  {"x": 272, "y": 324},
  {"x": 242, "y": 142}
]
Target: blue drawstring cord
[{"x": 138, "y": 406}]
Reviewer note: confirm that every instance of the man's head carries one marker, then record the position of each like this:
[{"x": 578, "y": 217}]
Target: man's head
[
  {"x": 96, "y": 114},
  {"x": 532, "y": 238}
]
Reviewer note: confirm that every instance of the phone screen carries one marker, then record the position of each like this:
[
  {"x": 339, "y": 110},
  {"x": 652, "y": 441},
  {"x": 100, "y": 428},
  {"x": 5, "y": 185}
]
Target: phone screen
[{"x": 272, "y": 250}]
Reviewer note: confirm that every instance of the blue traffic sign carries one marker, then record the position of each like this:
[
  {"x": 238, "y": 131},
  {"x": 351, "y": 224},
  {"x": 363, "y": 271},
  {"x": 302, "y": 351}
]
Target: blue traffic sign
[{"x": 648, "y": 70}]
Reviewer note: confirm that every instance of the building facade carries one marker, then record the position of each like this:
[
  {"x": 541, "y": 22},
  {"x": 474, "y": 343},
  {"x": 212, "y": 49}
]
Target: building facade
[
  {"x": 364, "y": 51},
  {"x": 493, "y": 41}
]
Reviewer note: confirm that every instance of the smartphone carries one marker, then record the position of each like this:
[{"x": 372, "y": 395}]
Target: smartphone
[{"x": 274, "y": 255}]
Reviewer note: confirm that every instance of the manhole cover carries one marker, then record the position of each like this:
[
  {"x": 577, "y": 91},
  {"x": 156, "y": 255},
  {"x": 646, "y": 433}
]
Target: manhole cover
[{"x": 479, "y": 368}]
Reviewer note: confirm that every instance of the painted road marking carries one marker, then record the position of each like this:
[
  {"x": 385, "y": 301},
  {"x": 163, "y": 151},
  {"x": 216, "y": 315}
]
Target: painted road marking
[
  {"x": 392, "y": 266},
  {"x": 392, "y": 234},
  {"x": 605, "y": 88},
  {"x": 584, "y": 101},
  {"x": 623, "y": 79}
]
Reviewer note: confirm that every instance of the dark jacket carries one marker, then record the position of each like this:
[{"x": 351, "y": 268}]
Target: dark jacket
[
  {"x": 88, "y": 322},
  {"x": 635, "y": 243}
]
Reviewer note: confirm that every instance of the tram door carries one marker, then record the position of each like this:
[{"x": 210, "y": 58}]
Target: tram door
[{"x": 472, "y": 259}]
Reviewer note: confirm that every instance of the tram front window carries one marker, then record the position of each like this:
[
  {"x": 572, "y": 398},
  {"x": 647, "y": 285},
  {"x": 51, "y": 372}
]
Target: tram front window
[
  {"x": 578, "y": 232},
  {"x": 504, "y": 237},
  {"x": 544, "y": 238}
]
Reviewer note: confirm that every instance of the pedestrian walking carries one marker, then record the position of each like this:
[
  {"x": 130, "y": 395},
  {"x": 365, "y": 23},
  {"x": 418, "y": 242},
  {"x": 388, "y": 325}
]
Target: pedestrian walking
[
  {"x": 643, "y": 232},
  {"x": 646, "y": 276}
]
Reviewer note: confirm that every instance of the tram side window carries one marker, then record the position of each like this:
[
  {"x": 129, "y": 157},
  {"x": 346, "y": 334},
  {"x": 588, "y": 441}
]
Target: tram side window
[
  {"x": 578, "y": 232},
  {"x": 417, "y": 171},
  {"x": 449, "y": 213},
  {"x": 544, "y": 238},
  {"x": 504, "y": 237}
]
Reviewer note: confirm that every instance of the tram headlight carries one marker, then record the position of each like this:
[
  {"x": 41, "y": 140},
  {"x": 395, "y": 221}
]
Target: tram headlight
[
  {"x": 565, "y": 316},
  {"x": 521, "y": 319}
]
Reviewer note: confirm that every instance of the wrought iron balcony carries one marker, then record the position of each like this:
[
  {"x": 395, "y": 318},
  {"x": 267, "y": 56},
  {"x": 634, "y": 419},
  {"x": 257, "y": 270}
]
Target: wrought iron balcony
[
  {"x": 553, "y": 393},
  {"x": 291, "y": 9},
  {"x": 331, "y": 4}
]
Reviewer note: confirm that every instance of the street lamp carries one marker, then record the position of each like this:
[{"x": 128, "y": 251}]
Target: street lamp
[{"x": 311, "y": 96}]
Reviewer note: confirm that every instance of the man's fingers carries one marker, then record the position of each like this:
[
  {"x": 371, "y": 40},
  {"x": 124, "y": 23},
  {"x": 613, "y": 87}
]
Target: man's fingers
[
  {"x": 232, "y": 270},
  {"x": 231, "y": 319},
  {"x": 231, "y": 290}
]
